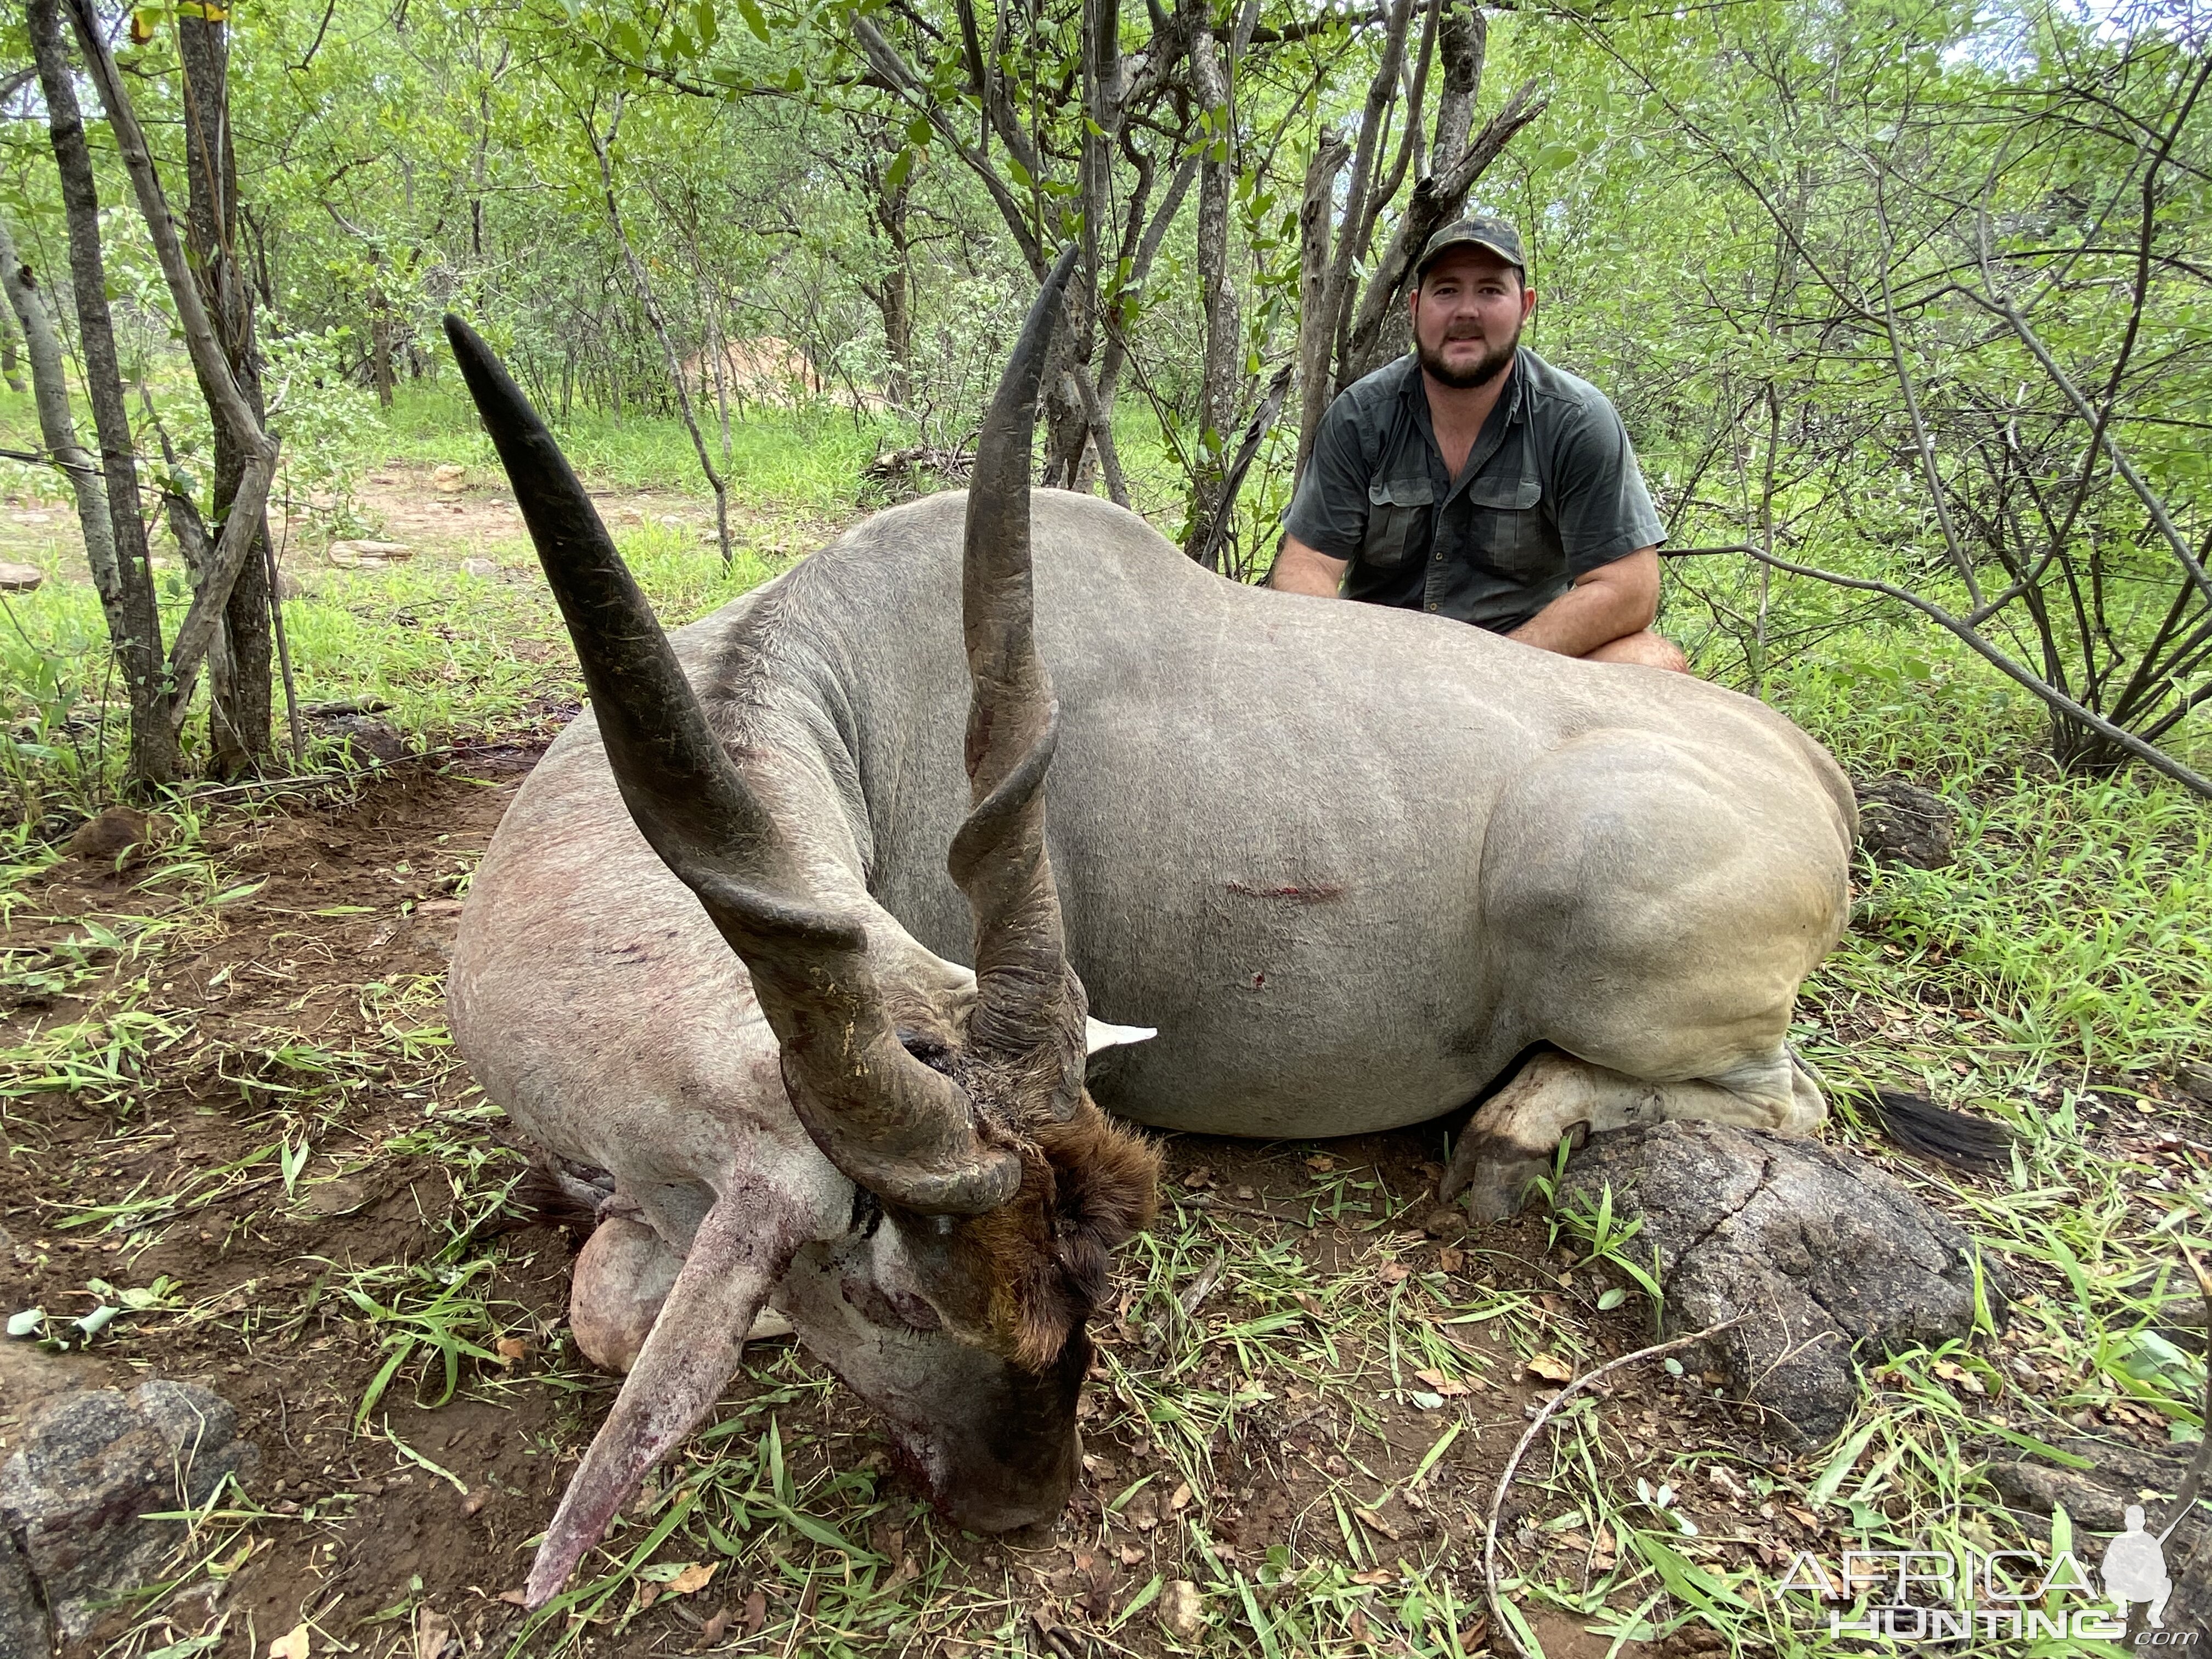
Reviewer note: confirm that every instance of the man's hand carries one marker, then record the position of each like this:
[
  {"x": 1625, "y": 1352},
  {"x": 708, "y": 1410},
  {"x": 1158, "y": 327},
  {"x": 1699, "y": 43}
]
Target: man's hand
[
  {"x": 1614, "y": 601},
  {"x": 1300, "y": 569}
]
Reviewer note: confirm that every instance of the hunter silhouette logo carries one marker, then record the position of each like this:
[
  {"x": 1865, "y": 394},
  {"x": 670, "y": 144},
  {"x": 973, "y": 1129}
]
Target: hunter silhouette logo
[
  {"x": 2134, "y": 1568},
  {"x": 1926, "y": 1595}
]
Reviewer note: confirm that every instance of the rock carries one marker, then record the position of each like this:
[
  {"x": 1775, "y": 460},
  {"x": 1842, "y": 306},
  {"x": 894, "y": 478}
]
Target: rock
[
  {"x": 200, "y": 1428},
  {"x": 24, "y": 1631},
  {"x": 1820, "y": 1250},
  {"x": 109, "y": 836},
  {"x": 1902, "y": 824},
  {"x": 88, "y": 1466},
  {"x": 2096, "y": 1497},
  {"x": 1181, "y": 1614},
  {"x": 369, "y": 738},
  {"x": 2195, "y": 1080},
  {"x": 451, "y": 480},
  {"x": 347, "y": 554},
  {"x": 20, "y": 578},
  {"x": 2096, "y": 1500}
]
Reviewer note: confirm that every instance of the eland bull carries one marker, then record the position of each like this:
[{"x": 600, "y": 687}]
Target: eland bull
[{"x": 1353, "y": 864}]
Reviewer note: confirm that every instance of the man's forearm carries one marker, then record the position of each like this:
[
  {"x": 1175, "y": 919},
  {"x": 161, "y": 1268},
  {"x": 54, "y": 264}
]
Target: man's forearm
[
  {"x": 1613, "y": 601},
  {"x": 1300, "y": 570}
]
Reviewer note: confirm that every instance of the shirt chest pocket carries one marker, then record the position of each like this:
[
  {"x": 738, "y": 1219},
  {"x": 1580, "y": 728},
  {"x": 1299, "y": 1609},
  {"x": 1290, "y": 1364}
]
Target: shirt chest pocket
[
  {"x": 1398, "y": 511},
  {"x": 1507, "y": 527}
]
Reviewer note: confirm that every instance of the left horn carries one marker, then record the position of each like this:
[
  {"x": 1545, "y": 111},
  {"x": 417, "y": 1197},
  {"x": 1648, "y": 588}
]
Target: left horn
[
  {"x": 890, "y": 1123},
  {"x": 1029, "y": 1009}
]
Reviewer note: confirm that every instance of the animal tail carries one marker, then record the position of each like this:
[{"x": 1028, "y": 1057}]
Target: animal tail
[
  {"x": 682, "y": 1369},
  {"x": 1919, "y": 1125}
]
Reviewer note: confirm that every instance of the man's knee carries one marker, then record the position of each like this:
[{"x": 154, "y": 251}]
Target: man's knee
[{"x": 1647, "y": 649}]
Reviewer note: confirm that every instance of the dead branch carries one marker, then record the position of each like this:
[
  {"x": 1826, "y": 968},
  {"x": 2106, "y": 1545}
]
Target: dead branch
[{"x": 1551, "y": 1409}]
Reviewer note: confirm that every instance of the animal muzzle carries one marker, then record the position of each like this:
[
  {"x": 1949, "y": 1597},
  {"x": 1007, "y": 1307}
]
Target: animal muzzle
[{"x": 1007, "y": 1456}]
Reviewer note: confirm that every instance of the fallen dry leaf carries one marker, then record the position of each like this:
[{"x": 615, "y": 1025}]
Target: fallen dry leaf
[
  {"x": 1374, "y": 1575},
  {"x": 1451, "y": 1261},
  {"x": 513, "y": 1598},
  {"x": 756, "y": 1612},
  {"x": 1321, "y": 1161},
  {"x": 1179, "y": 1499},
  {"x": 1180, "y": 1610},
  {"x": 1392, "y": 1272},
  {"x": 693, "y": 1577},
  {"x": 433, "y": 1634},
  {"x": 512, "y": 1348},
  {"x": 1550, "y": 1368},
  {"x": 293, "y": 1645},
  {"x": 1368, "y": 1518}
]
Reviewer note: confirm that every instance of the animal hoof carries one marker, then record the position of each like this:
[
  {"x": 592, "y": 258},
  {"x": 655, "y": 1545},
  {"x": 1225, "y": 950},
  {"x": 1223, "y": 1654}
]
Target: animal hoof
[{"x": 1494, "y": 1175}]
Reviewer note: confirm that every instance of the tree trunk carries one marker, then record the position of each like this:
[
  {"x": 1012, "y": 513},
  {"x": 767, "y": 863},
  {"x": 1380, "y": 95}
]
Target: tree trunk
[
  {"x": 893, "y": 292},
  {"x": 57, "y": 428},
  {"x": 1224, "y": 357},
  {"x": 1316, "y": 333},
  {"x": 239, "y": 702},
  {"x": 604, "y": 149},
  {"x": 10, "y": 368},
  {"x": 135, "y": 622}
]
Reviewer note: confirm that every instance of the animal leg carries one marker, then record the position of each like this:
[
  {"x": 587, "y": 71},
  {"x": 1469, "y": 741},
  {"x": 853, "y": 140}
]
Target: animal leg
[
  {"x": 1511, "y": 1138},
  {"x": 741, "y": 1249},
  {"x": 620, "y": 1282}
]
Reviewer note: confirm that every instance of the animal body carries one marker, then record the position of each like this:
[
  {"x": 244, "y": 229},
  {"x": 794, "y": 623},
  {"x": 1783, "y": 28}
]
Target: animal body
[{"x": 782, "y": 937}]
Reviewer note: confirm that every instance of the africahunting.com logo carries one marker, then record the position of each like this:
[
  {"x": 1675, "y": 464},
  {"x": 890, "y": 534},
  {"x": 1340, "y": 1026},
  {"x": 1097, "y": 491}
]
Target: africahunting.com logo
[{"x": 1956, "y": 1595}]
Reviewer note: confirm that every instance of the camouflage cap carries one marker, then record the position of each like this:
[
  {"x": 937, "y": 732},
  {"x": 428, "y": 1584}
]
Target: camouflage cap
[{"x": 1494, "y": 236}]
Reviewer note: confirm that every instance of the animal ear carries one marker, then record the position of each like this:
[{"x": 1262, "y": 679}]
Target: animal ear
[
  {"x": 737, "y": 1257},
  {"x": 1102, "y": 1035}
]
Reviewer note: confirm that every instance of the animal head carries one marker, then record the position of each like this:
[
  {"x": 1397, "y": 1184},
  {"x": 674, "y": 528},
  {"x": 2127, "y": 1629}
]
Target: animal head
[{"x": 989, "y": 1190}]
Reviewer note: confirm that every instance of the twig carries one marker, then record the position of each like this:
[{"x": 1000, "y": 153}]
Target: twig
[{"x": 1536, "y": 1427}]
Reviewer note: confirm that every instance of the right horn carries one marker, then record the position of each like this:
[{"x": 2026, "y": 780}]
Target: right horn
[
  {"x": 889, "y": 1122},
  {"x": 1029, "y": 1009}
]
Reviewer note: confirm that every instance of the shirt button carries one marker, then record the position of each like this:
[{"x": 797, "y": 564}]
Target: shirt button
[{"x": 1432, "y": 607}]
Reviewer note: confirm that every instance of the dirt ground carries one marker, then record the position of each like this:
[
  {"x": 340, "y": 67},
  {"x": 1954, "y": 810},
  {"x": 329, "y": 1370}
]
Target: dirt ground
[{"x": 325, "y": 973}]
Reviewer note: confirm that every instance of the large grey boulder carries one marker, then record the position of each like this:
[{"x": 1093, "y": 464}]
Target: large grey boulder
[
  {"x": 1819, "y": 1252},
  {"x": 91, "y": 1465}
]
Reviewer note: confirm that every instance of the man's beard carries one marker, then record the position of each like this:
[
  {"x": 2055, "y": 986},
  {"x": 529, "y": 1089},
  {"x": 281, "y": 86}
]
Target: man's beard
[{"x": 1485, "y": 368}]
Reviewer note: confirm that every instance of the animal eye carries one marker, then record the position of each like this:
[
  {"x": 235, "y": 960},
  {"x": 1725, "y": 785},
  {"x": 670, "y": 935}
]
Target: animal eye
[{"x": 929, "y": 1051}]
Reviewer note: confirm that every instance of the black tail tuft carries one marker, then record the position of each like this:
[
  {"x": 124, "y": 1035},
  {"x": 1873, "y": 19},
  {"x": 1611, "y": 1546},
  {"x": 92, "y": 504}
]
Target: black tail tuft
[
  {"x": 568, "y": 1197},
  {"x": 1919, "y": 1125}
]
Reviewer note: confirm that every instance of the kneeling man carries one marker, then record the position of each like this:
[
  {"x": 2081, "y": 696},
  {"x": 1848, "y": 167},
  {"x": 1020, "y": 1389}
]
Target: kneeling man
[{"x": 1473, "y": 480}]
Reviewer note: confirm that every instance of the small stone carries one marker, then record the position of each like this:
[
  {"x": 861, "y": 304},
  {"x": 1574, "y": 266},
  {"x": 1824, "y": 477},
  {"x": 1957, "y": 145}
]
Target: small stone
[
  {"x": 450, "y": 479},
  {"x": 1181, "y": 1614},
  {"x": 1444, "y": 1223},
  {"x": 347, "y": 554},
  {"x": 1900, "y": 823},
  {"x": 20, "y": 578},
  {"x": 107, "y": 838}
]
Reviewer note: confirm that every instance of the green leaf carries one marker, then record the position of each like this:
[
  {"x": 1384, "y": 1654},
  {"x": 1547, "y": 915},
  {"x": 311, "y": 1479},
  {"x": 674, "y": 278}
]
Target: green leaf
[
  {"x": 750, "y": 11},
  {"x": 704, "y": 22},
  {"x": 902, "y": 165},
  {"x": 1611, "y": 1299}
]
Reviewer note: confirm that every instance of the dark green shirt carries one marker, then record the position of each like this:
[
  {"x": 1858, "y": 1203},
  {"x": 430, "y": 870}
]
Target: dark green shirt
[{"x": 1549, "y": 491}]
